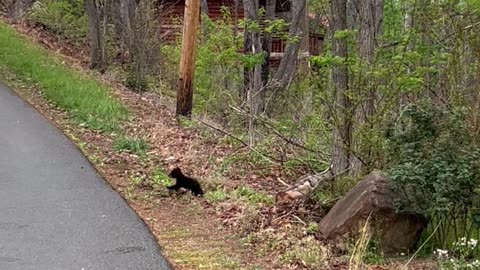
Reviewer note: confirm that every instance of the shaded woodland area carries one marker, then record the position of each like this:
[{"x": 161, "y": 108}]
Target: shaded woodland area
[{"x": 320, "y": 94}]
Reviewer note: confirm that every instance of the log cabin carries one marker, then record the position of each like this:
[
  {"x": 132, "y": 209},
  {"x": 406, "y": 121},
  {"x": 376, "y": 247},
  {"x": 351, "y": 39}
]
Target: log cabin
[{"x": 172, "y": 12}]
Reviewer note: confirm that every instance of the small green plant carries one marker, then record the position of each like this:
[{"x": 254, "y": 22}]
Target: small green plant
[
  {"x": 311, "y": 228},
  {"x": 137, "y": 146},
  {"x": 253, "y": 196},
  {"x": 133, "y": 183},
  {"x": 463, "y": 255},
  {"x": 216, "y": 196},
  {"x": 307, "y": 253},
  {"x": 160, "y": 178}
]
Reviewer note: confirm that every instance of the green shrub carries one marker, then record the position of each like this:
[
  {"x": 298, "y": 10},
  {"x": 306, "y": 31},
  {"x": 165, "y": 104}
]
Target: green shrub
[
  {"x": 434, "y": 167},
  {"x": 65, "y": 18}
]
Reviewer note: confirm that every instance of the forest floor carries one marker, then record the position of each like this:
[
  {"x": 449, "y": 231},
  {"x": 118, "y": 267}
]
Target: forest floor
[{"x": 236, "y": 226}]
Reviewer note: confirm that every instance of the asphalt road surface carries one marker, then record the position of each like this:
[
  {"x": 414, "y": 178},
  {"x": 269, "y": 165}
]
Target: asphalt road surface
[{"x": 56, "y": 212}]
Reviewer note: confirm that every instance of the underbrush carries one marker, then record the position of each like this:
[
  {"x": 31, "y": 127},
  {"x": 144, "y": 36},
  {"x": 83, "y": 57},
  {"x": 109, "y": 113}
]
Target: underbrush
[{"x": 65, "y": 19}]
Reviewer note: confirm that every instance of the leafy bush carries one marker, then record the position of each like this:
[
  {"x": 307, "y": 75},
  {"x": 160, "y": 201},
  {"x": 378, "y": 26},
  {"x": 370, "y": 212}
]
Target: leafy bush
[
  {"x": 434, "y": 166},
  {"x": 66, "y": 18}
]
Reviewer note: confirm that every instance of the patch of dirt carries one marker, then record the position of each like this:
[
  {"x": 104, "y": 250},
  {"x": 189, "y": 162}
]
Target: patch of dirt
[{"x": 193, "y": 233}]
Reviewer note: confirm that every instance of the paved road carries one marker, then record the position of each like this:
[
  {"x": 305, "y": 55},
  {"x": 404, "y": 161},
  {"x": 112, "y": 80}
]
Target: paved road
[{"x": 56, "y": 212}]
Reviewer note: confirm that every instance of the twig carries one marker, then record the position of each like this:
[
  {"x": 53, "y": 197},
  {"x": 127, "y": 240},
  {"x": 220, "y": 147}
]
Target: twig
[
  {"x": 269, "y": 159},
  {"x": 299, "y": 219},
  {"x": 420, "y": 248},
  {"x": 278, "y": 133},
  {"x": 281, "y": 181}
]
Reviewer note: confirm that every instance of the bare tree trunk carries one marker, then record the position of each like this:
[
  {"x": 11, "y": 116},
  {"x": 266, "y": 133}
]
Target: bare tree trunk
[
  {"x": 379, "y": 16},
  {"x": 366, "y": 48},
  {"x": 97, "y": 45},
  {"x": 366, "y": 88},
  {"x": 250, "y": 14},
  {"x": 342, "y": 133},
  {"x": 267, "y": 41},
  {"x": 254, "y": 89},
  {"x": 204, "y": 7},
  {"x": 204, "y": 12},
  {"x": 19, "y": 8},
  {"x": 286, "y": 70},
  {"x": 352, "y": 13}
]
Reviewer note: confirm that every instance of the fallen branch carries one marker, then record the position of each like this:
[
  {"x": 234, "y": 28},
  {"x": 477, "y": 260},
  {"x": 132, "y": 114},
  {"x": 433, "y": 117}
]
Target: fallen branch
[{"x": 306, "y": 185}]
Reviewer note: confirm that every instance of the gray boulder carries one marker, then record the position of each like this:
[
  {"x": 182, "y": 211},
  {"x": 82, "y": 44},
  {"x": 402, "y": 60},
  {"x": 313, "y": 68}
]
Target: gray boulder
[{"x": 374, "y": 197}]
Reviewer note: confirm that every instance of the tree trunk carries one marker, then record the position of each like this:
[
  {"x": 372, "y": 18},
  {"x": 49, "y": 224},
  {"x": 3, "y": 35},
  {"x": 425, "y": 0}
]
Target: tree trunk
[
  {"x": 250, "y": 8},
  {"x": 19, "y": 8},
  {"x": 97, "y": 45},
  {"x": 204, "y": 7},
  {"x": 204, "y": 12},
  {"x": 342, "y": 134},
  {"x": 254, "y": 89},
  {"x": 369, "y": 25},
  {"x": 267, "y": 41},
  {"x": 366, "y": 50},
  {"x": 187, "y": 61},
  {"x": 286, "y": 70},
  {"x": 352, "y": 13}
]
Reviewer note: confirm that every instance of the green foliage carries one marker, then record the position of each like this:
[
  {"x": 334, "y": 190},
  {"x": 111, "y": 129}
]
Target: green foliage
[
  {"x": 160, "y": 178},
  {"x": 86, "y": 100},
  {"x": 218, "y": 71},
  {"x": 65, "y": 18},
  {"x": 252, "y": 196},
  {"x": 462, "y": 256},
  {"x": 216, "y": 196},
  {"x": 311, "y": 228},
  {"x": 433, "y": 165},
  {"x": 136, "y": 146}
]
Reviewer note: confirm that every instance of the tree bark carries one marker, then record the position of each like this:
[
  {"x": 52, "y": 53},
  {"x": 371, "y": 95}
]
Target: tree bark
[
  {"x": 366, "y": 49},
  {"x": 187, "y": 61},
  {"x": 204, "y": 7},
  {"x": 250, "y": 8},
  {"x": 19, "y": 8},
  {"x": 342, "y": 134},
  {"x": 286, "y": 70},
  {"x": 97, "y": 45},
  {"x": 253, "y": 88},
  {"x": 267, "y": 41},
  {"x": 367, "y": 37}
]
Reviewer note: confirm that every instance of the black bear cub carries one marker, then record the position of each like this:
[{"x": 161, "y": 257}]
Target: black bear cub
[{"x": 183, "y": 181}]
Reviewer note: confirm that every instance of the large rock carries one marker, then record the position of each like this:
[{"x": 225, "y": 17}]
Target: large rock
[{"x": 374, "y": 196}]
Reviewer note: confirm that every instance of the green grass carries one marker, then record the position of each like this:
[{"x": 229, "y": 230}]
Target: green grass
[
  {"x": 86, "y": 100},
  {"x": 252, "y": 196},
  {"x": 137, "y": 146}
]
